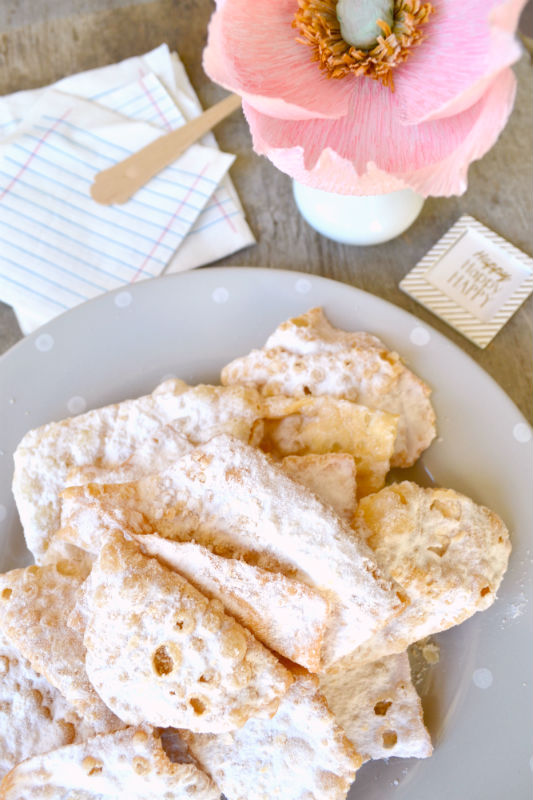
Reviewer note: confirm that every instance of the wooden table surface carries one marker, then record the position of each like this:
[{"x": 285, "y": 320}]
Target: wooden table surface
[{"x": 54, "y": 39}]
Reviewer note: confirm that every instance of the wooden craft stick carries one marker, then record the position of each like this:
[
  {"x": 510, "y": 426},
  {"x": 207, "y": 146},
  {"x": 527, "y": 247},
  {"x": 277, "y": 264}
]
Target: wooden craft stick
[{"x": 118, "y": 183}]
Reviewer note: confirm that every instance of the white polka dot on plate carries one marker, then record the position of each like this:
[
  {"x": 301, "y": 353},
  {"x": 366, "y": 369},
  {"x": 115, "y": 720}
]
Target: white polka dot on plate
[
  {"x": 123, "y": 299},
  {"x": 77, "y": 404},
  {"x": 522, "y": 432},
  {"x": 3, "y": 513},
  {"x": 44, "y": 342},
  {"x": 302, "y": 286},
  {"x": 482, "y": 678},
  {"x": 419, "y": 336},
  {"x": 220, "y": 295}
]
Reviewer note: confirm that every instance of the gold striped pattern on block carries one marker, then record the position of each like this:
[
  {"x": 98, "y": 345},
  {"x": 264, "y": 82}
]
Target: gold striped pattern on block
[{"x": 417, "y": 286}]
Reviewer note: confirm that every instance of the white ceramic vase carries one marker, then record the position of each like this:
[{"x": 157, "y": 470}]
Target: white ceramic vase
[{"x": 363, "y": 220}]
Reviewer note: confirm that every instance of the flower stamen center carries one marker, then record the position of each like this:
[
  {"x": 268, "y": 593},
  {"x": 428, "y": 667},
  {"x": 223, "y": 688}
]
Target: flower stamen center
[{"x": 320, "y": 28}]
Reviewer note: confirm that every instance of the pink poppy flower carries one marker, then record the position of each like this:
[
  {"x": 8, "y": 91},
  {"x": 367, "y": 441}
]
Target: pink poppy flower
[{"x": 353, "y": 135}]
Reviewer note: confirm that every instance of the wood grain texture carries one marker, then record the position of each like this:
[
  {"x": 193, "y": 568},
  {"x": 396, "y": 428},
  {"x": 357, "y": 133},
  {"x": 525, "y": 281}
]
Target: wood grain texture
[
  {"x": 118, "y": 183},
  {"x": 499, "y": 191}
]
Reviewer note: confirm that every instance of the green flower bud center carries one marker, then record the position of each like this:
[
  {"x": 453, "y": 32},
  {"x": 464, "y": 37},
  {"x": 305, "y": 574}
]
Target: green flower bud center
[{"x": 358, "y": 21}]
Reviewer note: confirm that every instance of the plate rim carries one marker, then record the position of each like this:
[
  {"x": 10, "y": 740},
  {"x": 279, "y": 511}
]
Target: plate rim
[
  {"x": 254, "y": 273},
  {"x": 266, "y": 271}
]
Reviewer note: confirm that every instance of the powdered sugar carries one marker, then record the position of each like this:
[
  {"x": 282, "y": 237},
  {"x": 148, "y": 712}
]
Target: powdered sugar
[
  {"x": 159, "y": 652},
  {"x": 109, "y": 436},
  {"x": 299, "y": 754},
  {"x": 307, "y": 355},
  {"x": 286, "y": 615},
  {"x": 130, "y": 763},
  {"x": 378, "y": 707},
  {"x": 231, "y": 498}
]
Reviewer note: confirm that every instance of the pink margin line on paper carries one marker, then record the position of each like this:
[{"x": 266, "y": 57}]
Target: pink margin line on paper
[
  {"x": 167, "y": 228},
  {"x": 223, "y": 212},
  {"x": 33, "y": 154},
  {"x": 154, "y": 102},
  {"x": 169, "y": 126}
]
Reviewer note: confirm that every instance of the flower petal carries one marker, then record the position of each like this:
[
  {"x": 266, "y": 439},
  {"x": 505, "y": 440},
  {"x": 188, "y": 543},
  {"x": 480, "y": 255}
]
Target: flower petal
[
  {"x": 370, "y": 151},
  {"x": 252, "y": 50},
  {"x": 450, "y": 175},
  {"x": 467, "y": 43}
]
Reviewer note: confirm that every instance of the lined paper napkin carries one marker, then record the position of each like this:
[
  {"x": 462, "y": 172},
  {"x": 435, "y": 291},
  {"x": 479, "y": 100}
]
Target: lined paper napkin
[{"x": 59, "y": 248}]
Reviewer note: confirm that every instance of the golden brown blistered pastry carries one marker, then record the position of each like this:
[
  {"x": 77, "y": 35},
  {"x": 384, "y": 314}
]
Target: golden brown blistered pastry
[
  {"x": 105, "y": 438},
  {"x": 299, "y": 754},
  {"x": 331, "y": 476},
  {"x": 378, "y": 707},
  {"x": 299, "y": 426},
  {"x": 128, "y": 765},
  {"x": 286, "y": 615},
  {"x": 34, "y": 716},
  {"x": 152, "y": 454},
  {"x": 159, "y": 651},
  {"x": 446, "y": 552},
  {"x": 308, "y": 356},
  {"x": 231, "y": 498},
  {"x": 34, "y": 605}
]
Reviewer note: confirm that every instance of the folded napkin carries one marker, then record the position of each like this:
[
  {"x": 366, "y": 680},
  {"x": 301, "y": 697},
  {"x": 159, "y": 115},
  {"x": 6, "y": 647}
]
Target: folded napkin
[{"x": 57, "y": 246}]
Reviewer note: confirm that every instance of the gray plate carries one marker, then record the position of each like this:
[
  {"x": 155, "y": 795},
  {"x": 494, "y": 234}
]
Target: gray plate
[{"x": 477, "y": 699}]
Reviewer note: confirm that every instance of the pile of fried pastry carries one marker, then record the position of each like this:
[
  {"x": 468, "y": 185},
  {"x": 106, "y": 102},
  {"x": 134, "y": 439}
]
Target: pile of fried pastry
[{"x": 224, "y": 588}]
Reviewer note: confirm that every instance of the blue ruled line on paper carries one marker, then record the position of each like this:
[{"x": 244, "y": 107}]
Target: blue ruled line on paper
[
  {"x": 33, "y": 291},
  {"x": 94, "y": 153},
  {"x": 141, "y": 112},
  {"x": 115, "y": 209},
  {"x": 167, "y": 110},
  {"x": 70, "y": 256},
  {"x": 52, "y": 235},
  {"x": 107, "y": 92},
  {"x": 43, "y": 278},
  {"x": 5, "y": 126},
  {"x": 129, "y": 102},
  {"x": 168, "y": 199},
  {"x": 111, "y": 161},
  {"x": 50, "y": 146},
  {"x": 217, "y": 204},
  {"x": 53, "y": 264},
  {"x": 84, "y": 228},
  {"x": 214, "y": 222},
  {"x": 117, "y": 146},
  {"x": 81, "y": 210},
  {"x": 50, "y": 229},
  {"x": 83, "y": 179}
]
